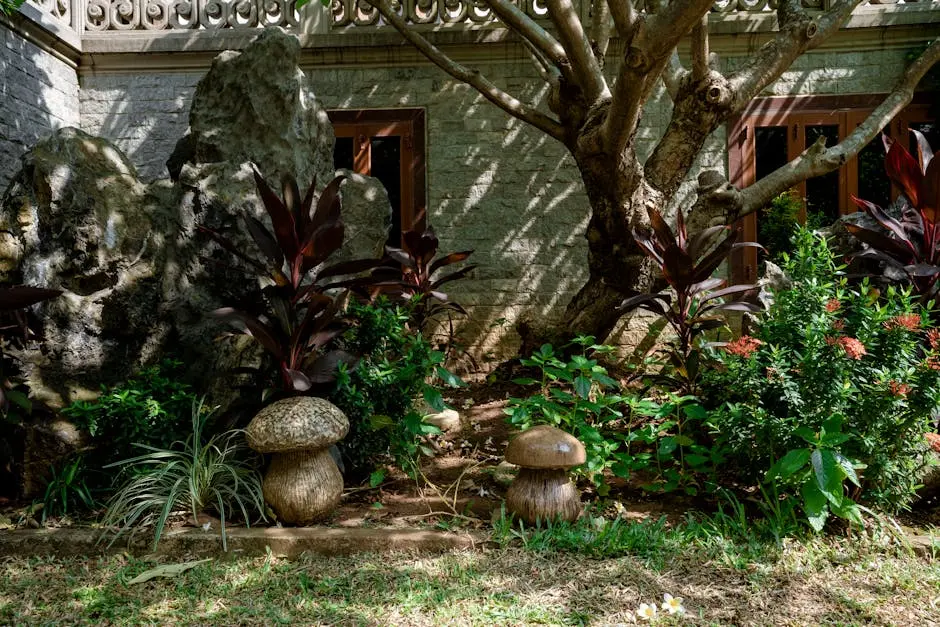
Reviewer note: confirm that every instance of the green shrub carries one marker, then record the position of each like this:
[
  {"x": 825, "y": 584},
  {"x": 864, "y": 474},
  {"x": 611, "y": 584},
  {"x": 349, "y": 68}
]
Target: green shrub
[
  {"x": 67, "y": 489},
  {"x": 837, "y": 383},
  {"x": 144, "y": 410},
  {"x": 218, "y": 475},
  {"x": 378, "y": 395}
]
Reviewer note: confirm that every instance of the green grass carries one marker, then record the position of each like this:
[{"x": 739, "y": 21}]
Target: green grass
[{"x": 536, "y": 578}]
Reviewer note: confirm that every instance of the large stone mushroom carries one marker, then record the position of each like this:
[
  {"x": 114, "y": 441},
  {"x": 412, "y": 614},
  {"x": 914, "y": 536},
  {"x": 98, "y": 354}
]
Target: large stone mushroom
[
  {"x": 542, "y": 489},
  {"x": 302, "y": 484}
]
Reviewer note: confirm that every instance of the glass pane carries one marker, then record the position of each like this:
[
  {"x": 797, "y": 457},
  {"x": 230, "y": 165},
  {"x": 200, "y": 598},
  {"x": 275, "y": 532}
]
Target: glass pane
[
  {"x": 776, "y": 221},
  {"x": 386, "y": 166},
  {"x": 822, "y": 192},
  {"x": 343, "y": 153},
  {"x": 873, "y": 184}
]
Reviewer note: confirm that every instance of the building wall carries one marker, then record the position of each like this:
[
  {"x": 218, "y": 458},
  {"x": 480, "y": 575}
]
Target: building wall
[
  {"x": 38, "y": 93},
  {"x": 495, "y": 185}
]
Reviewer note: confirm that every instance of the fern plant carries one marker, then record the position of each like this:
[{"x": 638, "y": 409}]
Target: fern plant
[{"x": 194, "y": 476}]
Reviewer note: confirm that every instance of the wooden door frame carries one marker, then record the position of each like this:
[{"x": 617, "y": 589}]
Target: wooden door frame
[{"x": 410, "y": 125}]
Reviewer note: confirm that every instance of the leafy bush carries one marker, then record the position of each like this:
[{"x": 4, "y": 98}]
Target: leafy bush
[
  {"x": 412, "y": 275},
  {"x": 777, "y": 222},
  {"x": 218, "y": 475},
  {"x": 910, "y": 245},
  {"x": 303, "y": 314},
  {"x": 144, "y": 410},
  {"x": 67, "y": 488},
  {"x": 378, "y": 395},
  {"x": 836, "y": 383},
  {"x": 690, "y": 307}
]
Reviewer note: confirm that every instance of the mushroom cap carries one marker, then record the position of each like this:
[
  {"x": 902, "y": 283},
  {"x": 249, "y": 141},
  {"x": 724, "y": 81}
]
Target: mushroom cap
[
  {"x": 296, "y": 423},
  {"x": 545, "y": 446}
]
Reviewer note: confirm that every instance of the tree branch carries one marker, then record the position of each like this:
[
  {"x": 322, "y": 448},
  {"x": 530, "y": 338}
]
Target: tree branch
[
  {"x": 527, "y": 28},
  {"x": 798, "y": 33},
  {"x": 817, "y": 159},
  {"x": 674, "y": 74},
  {"x": 625, "y": 17},
  {"x": 648, "y": 52},
  {"x": 586, "y": 68},
  {"x": 700, "y": 49},
  {"x": 501, "y": 99},
  {"x": 600, "y": 29}
]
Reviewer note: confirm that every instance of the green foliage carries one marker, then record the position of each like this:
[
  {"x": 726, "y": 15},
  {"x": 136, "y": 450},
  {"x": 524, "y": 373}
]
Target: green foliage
[
  {"x": 66, "y": 489},
  {"x": 147, "y": 409},
  {"x": 845, "y": 377},
  {"x": 378, "y": 396},
  {"x": 777, "y": 223},
  {"x": 9, "y": 7},
  {"x": 218, "y": 475}
]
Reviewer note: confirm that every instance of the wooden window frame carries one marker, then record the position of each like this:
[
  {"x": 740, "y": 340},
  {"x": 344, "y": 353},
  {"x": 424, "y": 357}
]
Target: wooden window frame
[
  {"x": 410, "y": 125},
  {"x": 795, "y": 113}
]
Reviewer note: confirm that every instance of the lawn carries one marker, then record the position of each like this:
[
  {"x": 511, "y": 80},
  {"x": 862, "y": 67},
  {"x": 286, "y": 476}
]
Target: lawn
[{"x": 721, "y": 581}]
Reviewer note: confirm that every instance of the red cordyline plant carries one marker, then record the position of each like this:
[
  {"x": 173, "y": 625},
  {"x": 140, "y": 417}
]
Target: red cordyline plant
[
  {"x": 687, "y": 263},
  {"x": 302, "y": 317},
  {"x": 417, "y": 279},
  {"x": 911, "y": 243}
]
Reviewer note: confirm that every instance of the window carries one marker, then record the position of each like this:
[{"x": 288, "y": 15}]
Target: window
[
  {"x": 388, "y": 144},
  {"x": 773, "y": 131}
]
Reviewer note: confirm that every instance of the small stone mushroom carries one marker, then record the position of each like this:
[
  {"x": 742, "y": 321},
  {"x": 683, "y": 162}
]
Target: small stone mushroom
[
  {"x": 302, "y": 484},
  {"x": 542, "y": 489}
]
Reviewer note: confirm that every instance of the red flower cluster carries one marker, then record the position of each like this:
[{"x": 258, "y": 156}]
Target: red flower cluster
[
  {"x": 933, "y": 336},
  {"x": 833, "y": 305},
  {"x": 744, "y": 346},
  {"x": 909, "y": 322},
  {"x": 898, "y": 389},
  {"x": 852, "y": 347},
  {"x": 933, "y": 440}
]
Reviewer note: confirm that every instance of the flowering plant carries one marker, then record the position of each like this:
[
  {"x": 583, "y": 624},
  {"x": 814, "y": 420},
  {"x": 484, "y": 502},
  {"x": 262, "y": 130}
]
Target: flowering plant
[{"x": 826, "y": 354}]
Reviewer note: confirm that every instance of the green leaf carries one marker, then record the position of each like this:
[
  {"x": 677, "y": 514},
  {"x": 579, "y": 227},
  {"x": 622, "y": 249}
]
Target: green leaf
[
  {"x": 582, "y": 385},
  {"x": 450, "y": 378},
  {"x": 684, "y": 440},
  {"x": 694, "y": 460},
  {"x": 828, "y": 474},
  {"x": 433, "y": 398},
  {"x": 380, "y": 421},
  {"x": 695, "y": 411},
  {"x": 20, "y": 400},
  {"x": 789, "y": 464},
  {"x": 666, "y": 446},
  {"x": 524, "y": 381},
  {"x": 814, "y": 505},
  {"x": 807, "y": 434},
  {"x": 847, "y": 467},
  {"x": 377, "y": 477}
]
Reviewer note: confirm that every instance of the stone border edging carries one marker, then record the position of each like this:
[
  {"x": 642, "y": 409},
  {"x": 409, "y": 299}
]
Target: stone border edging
[{"x": 282, "y": 541}]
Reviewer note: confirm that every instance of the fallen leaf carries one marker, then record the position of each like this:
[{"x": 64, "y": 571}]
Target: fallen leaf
[{"x": 166, "y": 570}]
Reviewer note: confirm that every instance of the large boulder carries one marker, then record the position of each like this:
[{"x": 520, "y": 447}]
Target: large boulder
[{"x": 137, "y": 277}]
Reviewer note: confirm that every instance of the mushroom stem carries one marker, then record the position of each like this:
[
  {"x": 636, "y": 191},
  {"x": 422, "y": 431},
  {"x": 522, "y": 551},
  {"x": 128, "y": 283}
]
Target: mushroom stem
[
  {"x": 543, "y": 493},
  {"x": 303, "y": 486}
]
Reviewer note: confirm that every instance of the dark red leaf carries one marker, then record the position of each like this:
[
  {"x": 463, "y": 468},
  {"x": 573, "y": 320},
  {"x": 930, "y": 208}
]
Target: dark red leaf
[
  {"x": 701, "y": 242},
  {"x": 453, "y": 276},
  {"x": 704, "y": 286},
  {"x": 663, "y": 233},
  {"x": 299, "y": 380},
  {"x": 328, "y": 207},
  {"x": 350, "y": 267},
  {"x": 635, "y": 301},
  {"x": 904, "y": 172},
  {"x": 881, "y": 217},
  {"x": 712, "y": 260},
  {"x": 265, "y": 241},
  {"x": 281, "y": 218},
  {"x": 930, "y": 192},
  {"x": 448, "y": 260},
  {"x": 900, "y": 250},
  {"x": 924, "y": 151},
  {"x": 255, "y": 328}
]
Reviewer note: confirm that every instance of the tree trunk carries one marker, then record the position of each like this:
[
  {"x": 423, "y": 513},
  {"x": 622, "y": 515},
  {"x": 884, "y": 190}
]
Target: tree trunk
[{"x": 617, "y": 267}]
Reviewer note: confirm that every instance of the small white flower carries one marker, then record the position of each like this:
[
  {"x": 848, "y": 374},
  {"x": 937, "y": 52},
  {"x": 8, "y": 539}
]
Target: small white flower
[
  {"x": 207, "y": 526},
  {"x": 672, "y": 604},
  {"x": 647, "y": 611}
]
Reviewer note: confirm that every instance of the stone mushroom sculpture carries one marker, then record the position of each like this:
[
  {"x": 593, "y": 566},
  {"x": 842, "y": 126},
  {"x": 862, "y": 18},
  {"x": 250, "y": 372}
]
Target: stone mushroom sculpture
[
  {"x": 542, "y": 489},
  {"x": 302, "y": 484}
]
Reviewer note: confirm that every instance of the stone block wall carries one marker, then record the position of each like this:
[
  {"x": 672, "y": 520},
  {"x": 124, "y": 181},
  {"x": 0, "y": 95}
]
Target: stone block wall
[
  {"x": 145, "y": 114},
  {"x": 38, "y": 93}
]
